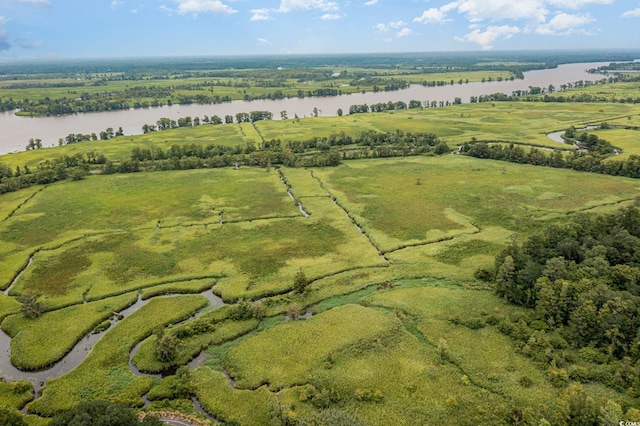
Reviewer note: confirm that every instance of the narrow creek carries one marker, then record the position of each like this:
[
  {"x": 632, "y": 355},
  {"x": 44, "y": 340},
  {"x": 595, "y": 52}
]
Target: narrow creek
[
  {"x": 214, "y": 303},
  {"x": 17, "y": 277},
  {"x": 290, "y": 193},
  {"x": 557, "y": 136},
  {"x": 79, "y": 352}
]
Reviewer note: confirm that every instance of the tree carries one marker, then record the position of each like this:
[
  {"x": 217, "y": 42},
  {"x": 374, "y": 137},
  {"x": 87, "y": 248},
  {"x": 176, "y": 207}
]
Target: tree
[
  {"x": 339, "y": 112},
  {"x": 166, "y": 347},
  {"x": 283, "y": 115},
  {"x": 31, "y": 307},
  {"x": 300, "y": 282}
]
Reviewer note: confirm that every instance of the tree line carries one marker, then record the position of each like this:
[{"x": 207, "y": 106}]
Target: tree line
[
  {"x": 325, "y": 151},
  {"x": 586, "y": 161}
]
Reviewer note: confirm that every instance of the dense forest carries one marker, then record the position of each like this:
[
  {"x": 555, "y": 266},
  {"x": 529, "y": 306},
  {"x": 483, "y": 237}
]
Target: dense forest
[{"x": 581, "y": 279}]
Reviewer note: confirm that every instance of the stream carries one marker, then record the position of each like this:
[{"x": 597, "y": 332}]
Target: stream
[
  {"x": 6, "y": 291},
  {"x": 557, "y": 136},
  {"x": 79, "y": 352}
]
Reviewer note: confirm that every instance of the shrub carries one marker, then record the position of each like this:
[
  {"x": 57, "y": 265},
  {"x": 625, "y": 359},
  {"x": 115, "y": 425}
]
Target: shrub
[
  {"x": 31, "y": 307},
  {"x": 300, "y": 282}
]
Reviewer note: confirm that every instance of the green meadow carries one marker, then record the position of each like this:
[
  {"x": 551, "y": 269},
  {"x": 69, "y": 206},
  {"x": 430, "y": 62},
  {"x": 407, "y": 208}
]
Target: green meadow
[{"x": 390, "y": 325}]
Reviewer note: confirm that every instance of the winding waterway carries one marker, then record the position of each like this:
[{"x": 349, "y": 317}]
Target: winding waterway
[
  {"x": 79, "y": 352},
  {"x": 15, "y": 131}
]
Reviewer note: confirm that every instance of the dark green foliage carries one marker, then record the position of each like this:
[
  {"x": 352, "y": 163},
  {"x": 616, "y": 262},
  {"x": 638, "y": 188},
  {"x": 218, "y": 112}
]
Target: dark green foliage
[
  {"x": 300, "y": 282},
  {"x": 31, "y": 306},
  {"x": 166, "y": 347},
  {"x": 11, "y": 418},
  {"x": 100, "y": 413},
  {"x": 582, "y": 281}
]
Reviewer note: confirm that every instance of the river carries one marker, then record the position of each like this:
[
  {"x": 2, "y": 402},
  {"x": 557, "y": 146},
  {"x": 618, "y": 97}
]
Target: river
[{"x": 15, "y": 131}]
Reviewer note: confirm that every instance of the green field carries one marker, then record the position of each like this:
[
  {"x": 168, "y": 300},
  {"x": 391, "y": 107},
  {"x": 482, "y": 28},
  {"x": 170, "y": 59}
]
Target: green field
[{"x": 398, "y": 328}]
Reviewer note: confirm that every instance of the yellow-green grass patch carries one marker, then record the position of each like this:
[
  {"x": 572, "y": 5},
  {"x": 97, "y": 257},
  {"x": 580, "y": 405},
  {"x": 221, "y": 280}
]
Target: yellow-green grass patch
[
  {"x": 8, "y": 306},
  {"x": 180, "y": 287},
  {"x": 485, "y": 355},
  {"x": 287, "y": 354},
  {"x": 15, "y": 395},
  {"x": 105, "y": 373},
  {"x": 401, "y": 382},
  {"x": 401, "y": 201},
  {"x": 57, "y": 331},
  {"x": 628, "y": 140},
  {"x": 247, "y": 407},
  {"x": 189, "y": 347}
]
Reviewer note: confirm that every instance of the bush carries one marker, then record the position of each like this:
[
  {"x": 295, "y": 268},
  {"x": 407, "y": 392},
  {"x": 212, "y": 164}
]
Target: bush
[
  {"x": 31, "y": 307},
  {"x": 294, "y": 311},
  {"x": 11, "y": 418},
  {"x": 300, "y": 282},
  {"x": 525, "y": 381}
]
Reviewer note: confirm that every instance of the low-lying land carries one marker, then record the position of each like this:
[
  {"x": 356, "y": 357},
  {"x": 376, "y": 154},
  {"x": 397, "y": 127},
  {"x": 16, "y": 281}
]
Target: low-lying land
[{"x": 360, "y": 291}]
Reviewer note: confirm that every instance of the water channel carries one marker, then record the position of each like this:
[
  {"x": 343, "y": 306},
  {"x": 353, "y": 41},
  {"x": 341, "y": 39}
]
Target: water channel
[
  {"x": 15, "y": 131},
  {"x": 79, "y": 352}
]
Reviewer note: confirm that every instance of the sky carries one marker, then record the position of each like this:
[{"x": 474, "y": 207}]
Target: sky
[{"x": 39, "y": 29}]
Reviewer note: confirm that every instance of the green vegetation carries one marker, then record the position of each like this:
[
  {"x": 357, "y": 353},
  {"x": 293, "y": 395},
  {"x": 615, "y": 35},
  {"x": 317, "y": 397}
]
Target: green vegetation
[
  {"x": 105, "y": 373},
  {"x": 15, "y": 395},
  {"x": 369, "y": 275},
  {"x": 58, "y": 331}
]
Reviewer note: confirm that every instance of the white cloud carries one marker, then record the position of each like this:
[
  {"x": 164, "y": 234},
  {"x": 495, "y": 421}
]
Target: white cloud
[
  {"x": 200, "y": 6},
  {"x": 564, "y": 24},
  {"x": 261, "y": 15},
  {"x": 404, "y": 32},
  {"x": 432, "y": 15},
  {"x": 372, "y": 2},
  {"x": 263, "y": 42},
  {"x": 494, "y": 10},
  {"x": 397, "y": 24},
  {"x": 576, "y": 4},
  {"x": 486, "y": 38},
  {"x": 3, "y": 20},
  {"x": 325, "y": 5},
  {"x": 330, "y": 16},
  {"x": 116, "y": 3},
  {"x": 635, "y": 13},
  {"x": 381, "y": 28}
]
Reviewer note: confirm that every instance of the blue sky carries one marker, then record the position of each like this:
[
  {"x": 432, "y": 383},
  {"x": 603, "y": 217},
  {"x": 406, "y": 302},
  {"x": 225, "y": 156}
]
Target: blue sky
[{"x": 130, "y": 28}]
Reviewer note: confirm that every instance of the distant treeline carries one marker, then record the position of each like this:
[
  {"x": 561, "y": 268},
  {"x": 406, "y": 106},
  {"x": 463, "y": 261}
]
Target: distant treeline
[
  {"x": 315, "y": 152},
  {"x": 532, "y": 59}
]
